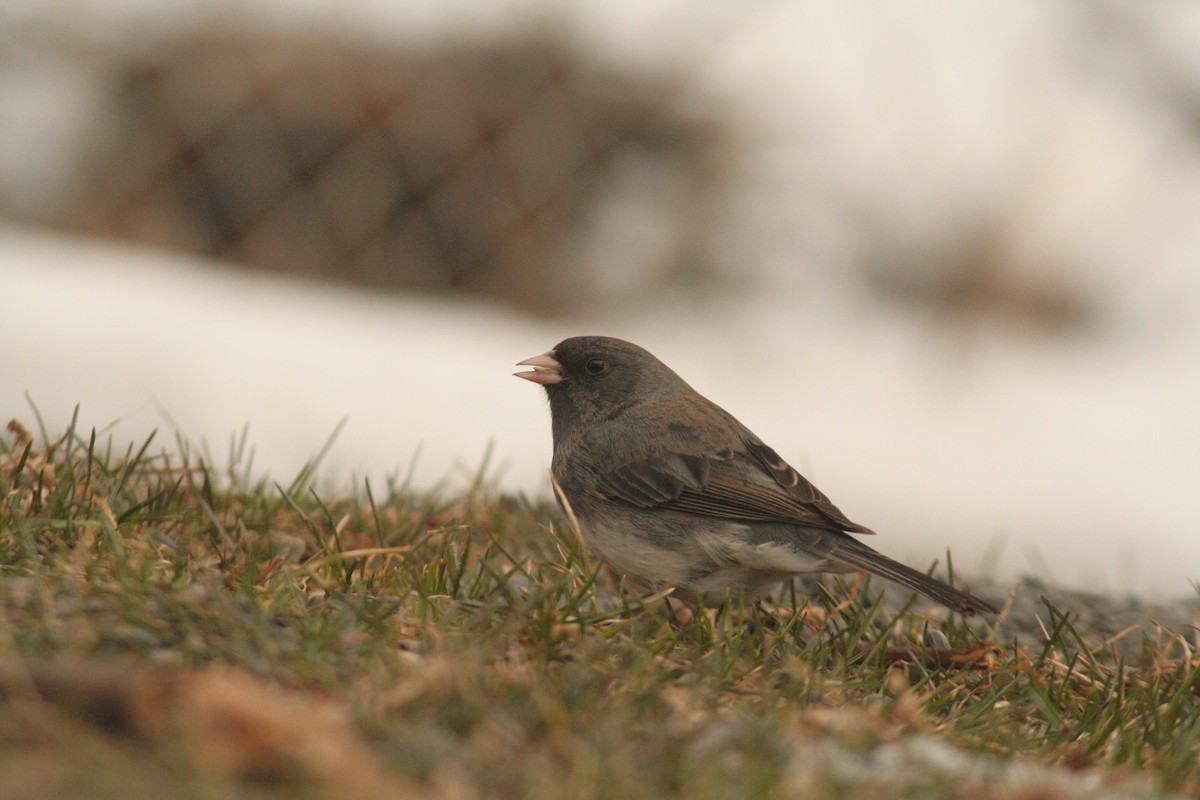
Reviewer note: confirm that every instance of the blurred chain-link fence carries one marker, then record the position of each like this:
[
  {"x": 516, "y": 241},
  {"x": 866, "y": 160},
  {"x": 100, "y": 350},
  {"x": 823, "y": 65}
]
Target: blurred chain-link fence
[
  {"x": 1011, "y": 161},
  {"x": 478, "y": 165}
]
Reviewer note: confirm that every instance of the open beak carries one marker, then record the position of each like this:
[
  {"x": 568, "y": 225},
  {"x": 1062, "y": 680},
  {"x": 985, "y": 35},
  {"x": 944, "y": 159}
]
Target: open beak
[{"x": 546, "y": 369}]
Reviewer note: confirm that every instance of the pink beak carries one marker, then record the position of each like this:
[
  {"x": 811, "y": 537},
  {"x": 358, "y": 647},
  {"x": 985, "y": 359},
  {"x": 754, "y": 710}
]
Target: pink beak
[{"x": 546, "y": 369}]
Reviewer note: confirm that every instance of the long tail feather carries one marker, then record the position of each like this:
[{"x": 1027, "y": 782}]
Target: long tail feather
[{"x": 868, "y": 560}]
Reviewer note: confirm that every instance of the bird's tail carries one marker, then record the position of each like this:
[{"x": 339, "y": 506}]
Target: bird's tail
[{"x": 864, "y": 558}]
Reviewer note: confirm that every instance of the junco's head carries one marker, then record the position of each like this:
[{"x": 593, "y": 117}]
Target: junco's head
[{"x": 588, "y": 377}]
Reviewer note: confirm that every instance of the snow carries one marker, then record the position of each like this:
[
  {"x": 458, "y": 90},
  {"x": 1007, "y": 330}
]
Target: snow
[{"x": 1077, "y": 464}]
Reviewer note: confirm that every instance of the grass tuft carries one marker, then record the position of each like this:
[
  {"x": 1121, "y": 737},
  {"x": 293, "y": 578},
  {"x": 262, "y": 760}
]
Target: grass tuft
[{"x": 196, "y": 632}]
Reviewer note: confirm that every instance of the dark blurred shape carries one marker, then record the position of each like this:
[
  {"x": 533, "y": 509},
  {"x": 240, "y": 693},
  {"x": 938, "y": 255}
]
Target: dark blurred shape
[
  {"x": 468, "y": 167},
  {"x": 975, "y": 280}
]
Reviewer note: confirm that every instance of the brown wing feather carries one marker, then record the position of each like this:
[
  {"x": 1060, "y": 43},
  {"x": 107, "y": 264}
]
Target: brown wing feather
[
  {"x": 799, "y": 488},
  {"x": 655, "y": 482},
  {"x": 722, "y": 485}
]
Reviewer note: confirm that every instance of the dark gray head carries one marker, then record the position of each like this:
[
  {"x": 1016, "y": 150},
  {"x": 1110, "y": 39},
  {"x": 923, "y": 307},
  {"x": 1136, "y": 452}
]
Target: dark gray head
[{"x": 591, "y": 378}]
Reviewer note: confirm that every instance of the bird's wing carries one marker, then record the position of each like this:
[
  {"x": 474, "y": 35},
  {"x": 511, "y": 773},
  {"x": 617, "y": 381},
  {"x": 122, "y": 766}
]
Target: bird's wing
[
  {"x": 751, "y": 484},
  {"x": 660, "y": 480},
  {"x": 797, "y": 487}
]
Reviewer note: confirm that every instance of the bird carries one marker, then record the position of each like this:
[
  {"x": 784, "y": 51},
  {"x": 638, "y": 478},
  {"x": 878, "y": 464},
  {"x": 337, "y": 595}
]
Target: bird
[{"x": 669, "y": 489}]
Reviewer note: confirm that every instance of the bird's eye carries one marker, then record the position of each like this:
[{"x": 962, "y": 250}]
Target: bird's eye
[{"x": 596, "y": 365}]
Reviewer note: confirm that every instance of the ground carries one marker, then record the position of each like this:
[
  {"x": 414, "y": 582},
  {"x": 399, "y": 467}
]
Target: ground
[{"x": 175, "y": 630}]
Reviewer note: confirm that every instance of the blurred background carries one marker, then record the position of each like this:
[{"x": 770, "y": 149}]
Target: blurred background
[{"x": 944, "y": 257}]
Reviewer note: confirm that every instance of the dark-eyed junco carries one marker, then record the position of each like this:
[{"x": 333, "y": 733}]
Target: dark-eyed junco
[{"x": 669, "y": 488}]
